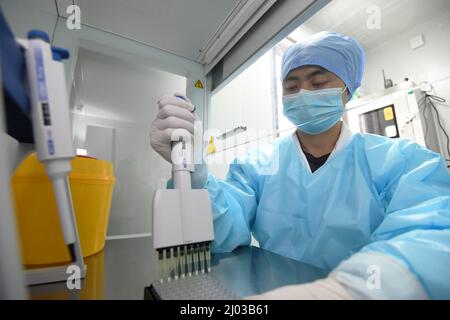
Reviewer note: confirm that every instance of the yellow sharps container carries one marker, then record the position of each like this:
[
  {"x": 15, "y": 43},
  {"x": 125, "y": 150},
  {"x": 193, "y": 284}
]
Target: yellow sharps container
[{"x": 91, "y": 183}]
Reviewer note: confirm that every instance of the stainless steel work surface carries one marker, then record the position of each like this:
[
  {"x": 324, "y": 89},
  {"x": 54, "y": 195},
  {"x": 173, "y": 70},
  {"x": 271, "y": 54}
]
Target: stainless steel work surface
[{"x": 125, "y": 267}]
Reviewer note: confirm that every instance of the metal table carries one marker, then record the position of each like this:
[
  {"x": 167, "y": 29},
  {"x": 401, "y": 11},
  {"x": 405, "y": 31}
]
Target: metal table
[{"x": 125, "y": 267}]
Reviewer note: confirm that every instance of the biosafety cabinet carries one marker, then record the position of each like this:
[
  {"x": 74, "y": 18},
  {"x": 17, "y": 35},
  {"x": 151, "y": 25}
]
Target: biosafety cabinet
[{"x": 123, "y": 57}]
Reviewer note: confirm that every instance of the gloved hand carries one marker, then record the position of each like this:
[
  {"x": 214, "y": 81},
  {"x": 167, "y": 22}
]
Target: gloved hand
[
  {"x": 325, "y": 289},
  {"x": 176, "y": 112},
  {"x": 353, "y": 279}
]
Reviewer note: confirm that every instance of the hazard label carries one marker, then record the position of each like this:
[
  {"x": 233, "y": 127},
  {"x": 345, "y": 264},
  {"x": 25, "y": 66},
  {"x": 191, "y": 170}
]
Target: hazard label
[{"x": 199, "y": 84}]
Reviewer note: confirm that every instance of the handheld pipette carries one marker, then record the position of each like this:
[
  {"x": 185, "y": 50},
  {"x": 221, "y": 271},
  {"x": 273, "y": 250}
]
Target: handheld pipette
[
  {"x": 182, "y": 217},
  {"x": 51, "y": 124}
]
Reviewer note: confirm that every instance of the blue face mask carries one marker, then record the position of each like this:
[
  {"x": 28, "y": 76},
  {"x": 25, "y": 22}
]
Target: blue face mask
[{"x": 314, "y": 112}]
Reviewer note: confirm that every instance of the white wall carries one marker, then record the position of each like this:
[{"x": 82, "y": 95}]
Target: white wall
[
  {"x": 122, "y": 95},
  {"x": 428, "y": 63},
  {"x": 245, "y": 101}
]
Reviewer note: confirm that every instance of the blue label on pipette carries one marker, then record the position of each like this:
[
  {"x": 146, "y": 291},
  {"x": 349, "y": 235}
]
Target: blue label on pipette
[
  {"x": 180, "y": 97},
  {"x": 51, "y": 147},
  {"x": 184, "y": 99},
  {"x": 40, "y": 74}
]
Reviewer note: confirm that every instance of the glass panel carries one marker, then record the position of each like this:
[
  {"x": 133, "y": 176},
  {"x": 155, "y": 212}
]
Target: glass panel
[{"x": 115, "y": 100}]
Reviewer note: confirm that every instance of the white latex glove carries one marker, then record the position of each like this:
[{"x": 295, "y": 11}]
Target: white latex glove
[
  {"x": 324, "y": 289},
  {"x": 176, "y": 112},
  {"x": 354, "y": 279}
]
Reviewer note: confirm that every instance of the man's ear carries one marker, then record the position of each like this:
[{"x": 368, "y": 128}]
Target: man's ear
[{"x": 348, "y": 95}]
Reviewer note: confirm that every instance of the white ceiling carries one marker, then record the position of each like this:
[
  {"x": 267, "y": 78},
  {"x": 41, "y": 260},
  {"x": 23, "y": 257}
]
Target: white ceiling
[
  {"x": 183, "y": 27},
  {"x": 179, "y": 27},
  {"x": 350, "y": 17}
]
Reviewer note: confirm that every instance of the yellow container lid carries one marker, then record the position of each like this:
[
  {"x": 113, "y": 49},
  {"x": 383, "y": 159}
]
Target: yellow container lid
[{"x": 82, "y": 168}]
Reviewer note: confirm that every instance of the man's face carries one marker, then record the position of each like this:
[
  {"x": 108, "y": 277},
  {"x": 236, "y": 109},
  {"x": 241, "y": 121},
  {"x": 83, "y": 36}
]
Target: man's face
[{"x": 312, "y": 78}]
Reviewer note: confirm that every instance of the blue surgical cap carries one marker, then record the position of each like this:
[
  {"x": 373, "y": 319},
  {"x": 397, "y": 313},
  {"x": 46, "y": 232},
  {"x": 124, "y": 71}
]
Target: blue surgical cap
[{"x": 342, "y": 55}]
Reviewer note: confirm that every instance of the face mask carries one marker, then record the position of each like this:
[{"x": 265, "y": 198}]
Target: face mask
[{"x": 314, "y": 112}]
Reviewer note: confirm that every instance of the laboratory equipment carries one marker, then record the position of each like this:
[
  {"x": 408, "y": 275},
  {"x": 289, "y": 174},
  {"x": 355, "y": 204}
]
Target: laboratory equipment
[
  {"x": 51, "y": 122},
  {"x": 232, "y": 132},
  {"x": 52, "y": 136},
  {"x": 246, "y": 271},
  {"x": 182, "y": 218},
  {"x": 203, "y": 287},
  {"x": 397, "y": 113},
  {"x": 36, "y": 111}
]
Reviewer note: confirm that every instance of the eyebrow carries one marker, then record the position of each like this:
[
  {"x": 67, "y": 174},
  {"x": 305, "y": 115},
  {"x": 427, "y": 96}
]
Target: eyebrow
[
  {"x": 314, "y": 73},
  {"x": 317, "y": 73}
]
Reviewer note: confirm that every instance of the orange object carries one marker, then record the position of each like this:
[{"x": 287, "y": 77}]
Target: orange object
[{"x": 91, "y": 184}]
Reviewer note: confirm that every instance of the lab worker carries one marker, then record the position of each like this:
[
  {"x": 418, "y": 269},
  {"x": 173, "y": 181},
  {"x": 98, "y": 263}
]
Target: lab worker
[{"x": 372, "y": 211}]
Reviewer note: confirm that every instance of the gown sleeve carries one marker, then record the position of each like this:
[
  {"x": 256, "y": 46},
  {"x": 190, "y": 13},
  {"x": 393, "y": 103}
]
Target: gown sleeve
[{"x": 412, "y": 244}]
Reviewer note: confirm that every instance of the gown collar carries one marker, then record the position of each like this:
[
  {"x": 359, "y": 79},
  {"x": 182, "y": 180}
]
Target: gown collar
[{"x": 344, "y": 140}]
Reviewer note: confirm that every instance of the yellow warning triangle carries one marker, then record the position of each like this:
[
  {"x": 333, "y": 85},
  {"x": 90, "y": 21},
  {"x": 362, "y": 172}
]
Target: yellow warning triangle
[
  {"x": 199, "y": 84},
  {"x": 211, "y": 147}
]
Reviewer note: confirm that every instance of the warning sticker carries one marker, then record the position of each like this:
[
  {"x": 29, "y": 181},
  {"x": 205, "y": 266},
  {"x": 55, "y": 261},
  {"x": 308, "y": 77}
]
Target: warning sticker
[
  {"x": 199, "y": 84},
  {"x": 388, "y": 114},
  {"x": 211, "y": 146}
]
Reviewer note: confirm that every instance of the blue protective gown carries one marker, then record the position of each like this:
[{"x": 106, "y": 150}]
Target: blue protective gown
[{"x": 375, "y": 194}]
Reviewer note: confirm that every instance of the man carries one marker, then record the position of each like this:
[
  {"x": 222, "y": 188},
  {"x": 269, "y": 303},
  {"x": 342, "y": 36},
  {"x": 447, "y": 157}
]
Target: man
[{"x": 374, "y": 211}]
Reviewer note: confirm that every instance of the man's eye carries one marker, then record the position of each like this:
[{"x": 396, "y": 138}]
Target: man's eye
[
  {"x": 319, "y": 84},
  {"x": 291, "y": 88}
]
